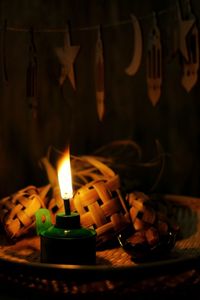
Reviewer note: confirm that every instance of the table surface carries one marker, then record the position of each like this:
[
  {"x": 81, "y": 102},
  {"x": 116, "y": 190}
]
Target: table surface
[
  {"x": 189, "y": 292},
  {"x": 181, "y": 286}
]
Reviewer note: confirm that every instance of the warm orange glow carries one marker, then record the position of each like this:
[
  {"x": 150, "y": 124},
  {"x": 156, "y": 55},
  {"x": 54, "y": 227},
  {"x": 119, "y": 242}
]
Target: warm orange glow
[{"x": 64, "y": 176}]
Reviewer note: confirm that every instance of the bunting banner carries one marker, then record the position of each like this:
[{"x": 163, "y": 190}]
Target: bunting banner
[{"x": 186, "y": 45}]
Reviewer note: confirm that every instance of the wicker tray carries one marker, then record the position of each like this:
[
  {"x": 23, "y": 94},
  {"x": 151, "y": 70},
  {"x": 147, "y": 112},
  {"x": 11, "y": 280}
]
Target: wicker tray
[{"x": 114, "y": 271}]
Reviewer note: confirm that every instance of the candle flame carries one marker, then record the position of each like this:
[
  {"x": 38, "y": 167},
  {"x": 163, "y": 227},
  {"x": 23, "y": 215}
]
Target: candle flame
[{"x": 64, "y": 176}]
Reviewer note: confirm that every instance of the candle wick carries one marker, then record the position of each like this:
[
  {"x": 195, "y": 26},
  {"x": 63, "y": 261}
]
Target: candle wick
[{"x": 67, "y": 206}]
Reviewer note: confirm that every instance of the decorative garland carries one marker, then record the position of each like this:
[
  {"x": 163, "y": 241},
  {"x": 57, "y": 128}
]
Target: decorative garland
[{"x": 187, "y": 43}]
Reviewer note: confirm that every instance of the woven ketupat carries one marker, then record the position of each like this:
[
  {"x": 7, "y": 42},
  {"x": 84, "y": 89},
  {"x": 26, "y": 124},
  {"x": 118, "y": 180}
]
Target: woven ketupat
[
  {"x": 102, "y": 207},
  {"x": 17, "y": 212},
  {"x": 140, "y": 210}
]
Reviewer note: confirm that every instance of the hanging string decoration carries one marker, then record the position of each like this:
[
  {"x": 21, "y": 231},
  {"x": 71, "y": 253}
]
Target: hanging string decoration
[
  {"x": 67, "y": 55},
  {"x": 187, "y": 44},
  {"x": 154, "y": 64},
  {"x": 190, "y": 61},
  {"x": 137, "y": 51},
  {"x": 99, "y": 77},
  {"x": 31, "y": 77}
]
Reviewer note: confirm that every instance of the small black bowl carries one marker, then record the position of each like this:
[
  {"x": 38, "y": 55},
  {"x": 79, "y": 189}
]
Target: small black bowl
[{"x": 143, "y": 252}]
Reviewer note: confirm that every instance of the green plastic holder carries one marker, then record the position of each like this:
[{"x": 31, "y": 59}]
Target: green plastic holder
[{"x": 66, "y": 242}]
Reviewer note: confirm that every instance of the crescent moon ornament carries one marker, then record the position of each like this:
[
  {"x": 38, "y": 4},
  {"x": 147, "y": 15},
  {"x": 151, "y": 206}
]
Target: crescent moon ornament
[
  {"x": 154, "y": 64},
  {"x": 137, "y": 51}
]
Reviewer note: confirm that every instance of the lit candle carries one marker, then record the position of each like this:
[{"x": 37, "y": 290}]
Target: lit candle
[
  {"x": 66, "y": 241},
  {"x": 65, "y": 180}
]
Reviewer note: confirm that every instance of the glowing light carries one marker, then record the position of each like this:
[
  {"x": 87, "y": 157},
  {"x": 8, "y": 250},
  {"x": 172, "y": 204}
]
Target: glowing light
[{"x": 64, "y": 176}]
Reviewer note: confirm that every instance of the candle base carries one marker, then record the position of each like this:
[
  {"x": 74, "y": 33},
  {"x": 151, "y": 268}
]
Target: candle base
[
  {"x": 68, "y": 221},
  {"x": 67, "y": 242},
  {"x": 75, "y": 250}
]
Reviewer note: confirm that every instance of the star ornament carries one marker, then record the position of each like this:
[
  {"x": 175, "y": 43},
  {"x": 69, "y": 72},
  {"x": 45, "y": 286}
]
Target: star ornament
[
  {"x": 184, "y": 28},
  {"x": 67, "y": 55}
]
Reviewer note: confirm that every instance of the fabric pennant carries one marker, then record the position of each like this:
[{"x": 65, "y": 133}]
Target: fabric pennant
[
  {"x": 191, "y": 67},
  {"x": 190, "y": 61},
  {"x": 99, "y": 77},
  {"x": 67, "y": 55},
  {"x": 183, "y": 29},
  {"x": 4, "y": 56},
  {"x": 31, "y": 77},
  {"x": 154, "y": 64}
]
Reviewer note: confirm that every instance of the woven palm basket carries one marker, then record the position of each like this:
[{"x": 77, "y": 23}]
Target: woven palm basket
[
  {"x": 102, "y": 207},
  {"x": 17, "y": 212},
  {"x": 115, "y": 273}
]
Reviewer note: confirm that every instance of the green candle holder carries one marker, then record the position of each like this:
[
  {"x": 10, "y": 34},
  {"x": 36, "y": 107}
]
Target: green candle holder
[{"x": 66, "y": 242}]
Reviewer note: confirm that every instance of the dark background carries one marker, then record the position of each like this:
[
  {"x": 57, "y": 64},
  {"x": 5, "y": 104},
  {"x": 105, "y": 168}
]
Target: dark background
[{"x": 67, "y": 114}]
